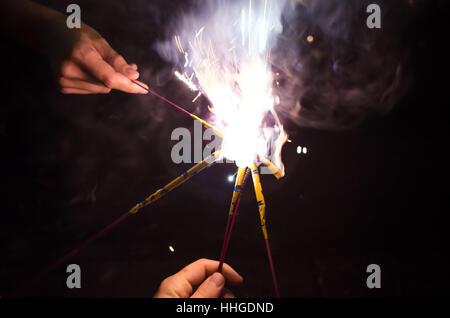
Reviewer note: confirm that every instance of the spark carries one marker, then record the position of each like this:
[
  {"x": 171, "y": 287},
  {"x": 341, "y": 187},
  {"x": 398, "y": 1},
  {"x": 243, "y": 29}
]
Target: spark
[
  {"x": 199, "y": 31},
  {"x": 196, "y": 97},
  {"x": 178, "y": 42},
  {"x": 186, "y": 81},
  {"x": 186, "y": 59}
]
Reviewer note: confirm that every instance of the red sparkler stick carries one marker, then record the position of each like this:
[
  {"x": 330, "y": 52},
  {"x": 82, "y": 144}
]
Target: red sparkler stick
[
  {"x": 272, "y": 269},
  {"x": 239, "y": 187},
  {"x": 25, "y": 287},
  {"x": 226, "y": 239},
  {"x": 161, "y": 97}
]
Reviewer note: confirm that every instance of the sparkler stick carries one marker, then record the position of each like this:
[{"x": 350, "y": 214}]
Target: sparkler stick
[
  {"x": 204, "y": 122},
  {"x": 241, "y": 178},
  {"x": 273, "y": 169},
  {"x": 262, "y": 215},
  {"x": 175, "y": 183},
  {"x": 150, "y": 199}
]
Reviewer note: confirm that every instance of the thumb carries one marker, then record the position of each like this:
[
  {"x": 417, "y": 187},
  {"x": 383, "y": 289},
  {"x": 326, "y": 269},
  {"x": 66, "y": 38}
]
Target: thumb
[{"x": 211, "y": 287}]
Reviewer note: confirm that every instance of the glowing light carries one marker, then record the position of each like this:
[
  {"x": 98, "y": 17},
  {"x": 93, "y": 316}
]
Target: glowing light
[
  {"x": 301, "y": 149},
  {"x": 237, "y": 78},
  {"x": 310, "y": 38},
  {"x": 171, "y": 248},
  {"x": 230, "y": 178},
  {"x": 186, "y": 80}
]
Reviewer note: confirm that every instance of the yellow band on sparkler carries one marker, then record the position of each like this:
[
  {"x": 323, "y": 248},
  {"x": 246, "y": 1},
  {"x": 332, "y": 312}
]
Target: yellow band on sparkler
[
  {"x": 175, "y": 182},
  {"x": 260, "y": 199},
  {"x": 273, "y": 169},
  {"x": 208, "y": 125},
  {"x": 237, "y": 189}
]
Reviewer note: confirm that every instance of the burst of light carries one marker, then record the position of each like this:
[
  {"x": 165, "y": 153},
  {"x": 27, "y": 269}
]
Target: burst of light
[
  {"x": 309, "y": 38},
  {"x": 237, "y": 79},
  {"x": 171, "y": 248},
  {"x": 230, "y": 178}
]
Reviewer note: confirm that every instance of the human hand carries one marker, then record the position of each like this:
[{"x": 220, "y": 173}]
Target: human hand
[
  {"x": 92, "y": 66},
  {"x": 83, "y": 62},
  {"x": 204, "y": 273}
]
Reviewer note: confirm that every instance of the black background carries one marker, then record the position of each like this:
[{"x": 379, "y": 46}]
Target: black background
[{"x": 70, "y": 165}]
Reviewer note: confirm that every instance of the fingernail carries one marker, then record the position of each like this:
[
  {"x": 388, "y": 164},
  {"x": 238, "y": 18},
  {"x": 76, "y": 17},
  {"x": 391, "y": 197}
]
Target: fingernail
[
  {"x": 130, "y": 70},
  {"x": 217, "y": 279}
]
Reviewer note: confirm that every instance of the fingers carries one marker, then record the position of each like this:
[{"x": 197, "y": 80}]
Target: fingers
[
  {"x": 66, "y": 90},
  {"x": 182, "y": 283},
  {"x": 93, "y": 62},
  {"x": 74, "y": 80},
  {"x": 211, "y": 287},
  {"x": 71, "y": 70},
  {"x": 117, "y": 61},
  {"x": 196, "y": 272},
  {"x": 92, "y": 87}
]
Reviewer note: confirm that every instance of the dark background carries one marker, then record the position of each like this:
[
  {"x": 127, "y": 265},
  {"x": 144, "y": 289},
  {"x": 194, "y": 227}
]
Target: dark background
[{"x": 70, "y": 165}]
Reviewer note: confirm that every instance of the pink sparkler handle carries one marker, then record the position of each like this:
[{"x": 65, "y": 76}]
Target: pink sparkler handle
[
  {"x": 26, "y": 286},
  {"x": 226, "y": 240},
  {"x": 272, "y": 269},
  {"x": 161, "y": 97},
  {"x": 222, "y": 256},
  {"x": 241, "y": 180}
]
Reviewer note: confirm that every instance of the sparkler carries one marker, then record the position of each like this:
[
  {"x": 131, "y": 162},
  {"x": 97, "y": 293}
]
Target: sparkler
[
  {"x": 236, "y": 79},
  {"x": 229, "y": 65},
  {"x": 158, "y": 194},
  {"x": 241, "y": 179}
]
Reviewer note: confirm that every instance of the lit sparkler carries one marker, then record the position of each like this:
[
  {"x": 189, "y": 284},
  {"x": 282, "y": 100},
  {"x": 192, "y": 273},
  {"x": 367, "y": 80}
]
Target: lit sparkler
[{"x": 235, "y": 76}]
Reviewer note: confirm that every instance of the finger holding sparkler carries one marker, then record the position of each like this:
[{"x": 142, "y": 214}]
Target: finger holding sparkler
[{"x": 262, "y": 214}]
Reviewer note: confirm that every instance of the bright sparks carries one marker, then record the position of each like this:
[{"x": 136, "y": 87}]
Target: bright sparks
[{"x": 231, "y": 67}]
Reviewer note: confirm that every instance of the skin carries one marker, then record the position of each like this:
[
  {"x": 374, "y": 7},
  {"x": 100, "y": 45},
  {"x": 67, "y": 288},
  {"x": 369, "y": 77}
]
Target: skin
[
  {"x": 92, "y": 66},
  {"x": 83, "y": 62},
  {"x": 202, "y": 273}
]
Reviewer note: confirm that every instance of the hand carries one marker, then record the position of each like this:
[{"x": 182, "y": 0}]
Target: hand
[
  {"x": 204, "y": 273},
  {"x": 92, "y": 66},
  {"x": 83, "y": 61}
]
